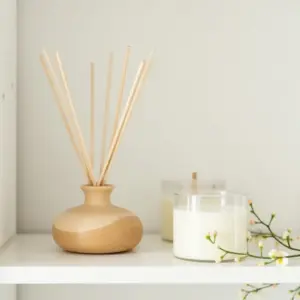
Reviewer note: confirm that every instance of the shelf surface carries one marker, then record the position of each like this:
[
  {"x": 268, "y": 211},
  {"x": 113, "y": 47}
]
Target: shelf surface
[{"x": 32, "y": 258}]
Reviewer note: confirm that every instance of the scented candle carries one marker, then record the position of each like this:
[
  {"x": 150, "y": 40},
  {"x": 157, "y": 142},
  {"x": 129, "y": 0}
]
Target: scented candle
[
  {"x": 168, "y": 190},
  {"x": 199, "y": 211}
]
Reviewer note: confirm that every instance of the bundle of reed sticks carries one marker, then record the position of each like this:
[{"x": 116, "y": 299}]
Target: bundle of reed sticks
[{"x": 64, "y": 101}]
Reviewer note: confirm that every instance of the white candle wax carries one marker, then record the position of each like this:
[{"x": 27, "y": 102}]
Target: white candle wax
[{"x": 191, "y": 227}]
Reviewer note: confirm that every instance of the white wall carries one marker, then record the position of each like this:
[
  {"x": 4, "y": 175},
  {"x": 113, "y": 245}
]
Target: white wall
[
  {"x": 223, "y": 98},
  {"x": 147, "y": 292},
  {"x": 8, "y": 34},
  {"x": 8, "y": 292},
  {"x": 93, "y": 292},
  {"x": 7, "y": 119}
]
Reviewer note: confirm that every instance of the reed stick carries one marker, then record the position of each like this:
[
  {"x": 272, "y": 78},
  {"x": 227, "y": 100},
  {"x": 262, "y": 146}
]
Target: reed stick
[
  {"x": 194, "y": 182},
  {"x": 121, "y": 90},
  {"x": 76, "y": 123},
  {"x": 92, "y": 112},
  {"x": 194, "y": 176},
  {"x": 68, "y": 112},
  {"x": 143, "y": 68},
  {"x": 58, "y": 100},
  {"x": 106, "y": 109}
]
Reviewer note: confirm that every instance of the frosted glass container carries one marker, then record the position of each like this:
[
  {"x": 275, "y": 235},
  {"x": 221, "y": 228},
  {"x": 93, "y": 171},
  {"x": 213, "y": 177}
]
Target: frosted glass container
[
  {"x": 200, "y": 210},
  {"x": 169, "y": 189}
]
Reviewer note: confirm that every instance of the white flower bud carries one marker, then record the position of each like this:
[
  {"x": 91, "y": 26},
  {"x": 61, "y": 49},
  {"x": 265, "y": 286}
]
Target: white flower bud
[
  {"x": 249, "y": 236},
  {"x": 237, "y": 259},
  {"x": 286, "y": 234}
]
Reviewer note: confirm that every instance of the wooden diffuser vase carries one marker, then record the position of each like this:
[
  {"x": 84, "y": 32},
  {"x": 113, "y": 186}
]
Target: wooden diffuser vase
[{"x": 97, "y": 226}]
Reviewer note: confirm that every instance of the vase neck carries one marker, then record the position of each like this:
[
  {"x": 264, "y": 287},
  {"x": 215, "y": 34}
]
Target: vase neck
[{"x": 97, "y": 196}]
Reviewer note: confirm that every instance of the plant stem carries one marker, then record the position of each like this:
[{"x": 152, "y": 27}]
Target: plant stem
[
  {"x": 295, "y": 292},
  {"x": 264, "y": 235},
  {"x": 257, "y": 289},
  {"x": 256, "y": 256},
  {"x": 244, "y": 254},
  {"x": 271, "y": 231}
]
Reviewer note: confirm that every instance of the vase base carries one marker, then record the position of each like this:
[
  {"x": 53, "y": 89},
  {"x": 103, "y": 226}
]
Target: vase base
[{"x": 120, "y": 236}]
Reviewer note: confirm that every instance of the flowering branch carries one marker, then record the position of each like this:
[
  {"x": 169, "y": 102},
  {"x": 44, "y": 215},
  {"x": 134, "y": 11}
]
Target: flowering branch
[
  {"x": 265, "y": 235},
  {"x": 253, "y": 289},
  {"x": 274, "y": 256},
  {"x": 295, "y": 292},
  {"x": 279, "y": 257},
  {"x": 286, "y": 235}
]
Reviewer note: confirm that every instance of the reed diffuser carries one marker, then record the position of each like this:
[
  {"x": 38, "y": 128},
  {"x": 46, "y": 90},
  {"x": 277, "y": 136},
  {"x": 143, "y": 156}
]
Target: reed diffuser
[{"x": 97, "y": 226}]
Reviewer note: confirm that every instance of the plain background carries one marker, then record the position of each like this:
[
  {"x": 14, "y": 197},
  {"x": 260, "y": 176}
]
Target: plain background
[
  {"x": 8, "y": 63},
  {"x": 8, "y": 292},
  {"x": 144, "y": 292},
  {"x": 222, "y": 98}
]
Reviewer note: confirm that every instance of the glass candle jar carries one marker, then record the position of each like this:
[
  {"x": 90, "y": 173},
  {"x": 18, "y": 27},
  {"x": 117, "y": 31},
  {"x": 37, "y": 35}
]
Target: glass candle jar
[
  {"x": 169, "y": 189},
  {"x": 200, "y": 210}
]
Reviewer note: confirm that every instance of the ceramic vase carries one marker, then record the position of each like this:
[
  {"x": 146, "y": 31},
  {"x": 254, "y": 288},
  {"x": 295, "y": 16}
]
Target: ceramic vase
[{"x": 97, "y": 226}]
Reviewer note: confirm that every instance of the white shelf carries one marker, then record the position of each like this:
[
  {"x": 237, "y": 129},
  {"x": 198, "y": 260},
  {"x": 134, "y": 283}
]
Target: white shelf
[{"x": 36, "y": 259}]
